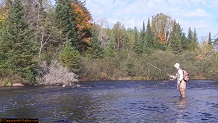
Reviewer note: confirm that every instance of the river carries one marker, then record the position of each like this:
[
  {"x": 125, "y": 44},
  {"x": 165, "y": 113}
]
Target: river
[{"x": 113, "y": 102}]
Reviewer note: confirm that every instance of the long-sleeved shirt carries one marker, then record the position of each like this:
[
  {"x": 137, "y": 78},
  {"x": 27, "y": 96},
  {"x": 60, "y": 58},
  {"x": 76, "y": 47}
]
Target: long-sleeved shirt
[{"x": 179, "y": 76}]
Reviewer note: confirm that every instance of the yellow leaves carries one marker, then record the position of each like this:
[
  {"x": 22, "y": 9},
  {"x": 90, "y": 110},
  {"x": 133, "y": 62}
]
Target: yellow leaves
[
  {"x": 205, "y": 50},
  {"x": 87, "y": 40},
  {"x": 3, "y": 15}
]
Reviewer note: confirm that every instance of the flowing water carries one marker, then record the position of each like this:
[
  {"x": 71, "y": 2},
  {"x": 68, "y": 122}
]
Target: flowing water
[{"x": 113, "y": 102}]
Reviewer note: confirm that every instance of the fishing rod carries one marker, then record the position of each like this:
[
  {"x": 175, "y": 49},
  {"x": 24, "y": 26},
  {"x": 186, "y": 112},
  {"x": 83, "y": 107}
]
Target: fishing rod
[{"x": 157, "y": 68}]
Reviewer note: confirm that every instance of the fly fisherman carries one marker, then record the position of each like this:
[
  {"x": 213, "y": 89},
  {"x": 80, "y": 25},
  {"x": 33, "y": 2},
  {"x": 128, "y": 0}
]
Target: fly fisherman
[{"x": 181, "y": 84}]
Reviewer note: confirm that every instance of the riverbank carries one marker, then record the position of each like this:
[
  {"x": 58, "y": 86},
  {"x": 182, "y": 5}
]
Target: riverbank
[
  {"x": 105, "y": 78},
  {"x": 12, "y": 85}
]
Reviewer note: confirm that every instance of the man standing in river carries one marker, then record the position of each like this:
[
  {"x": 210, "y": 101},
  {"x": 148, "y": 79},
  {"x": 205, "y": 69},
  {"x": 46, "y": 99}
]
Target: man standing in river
[{"x": 181, "y": 84}]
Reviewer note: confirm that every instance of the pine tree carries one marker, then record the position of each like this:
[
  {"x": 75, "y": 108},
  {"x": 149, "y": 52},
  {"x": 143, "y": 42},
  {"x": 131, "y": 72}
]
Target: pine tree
[
  {"x": 70, "y": 57},
  {"x": 195, "y": 36},
  {"x": 19, "y": 44},
  {"x": 140, "y": 43},
  {"x": 184, "y": 42},
  {"x": 96, "y": 49},
  {"x": 193, "y": 44},
  {"x": 110, "y": 51},
  {"x": 149, "y": 36},
  {"x": 143, "y": 35},
  {"x": 209, "y": 39},
  {"x": 190, "y": 36},
  {"x": 137, "y": 46},
  {"x": 66, "y": 22},
  {"x": 176, "y": 38}
]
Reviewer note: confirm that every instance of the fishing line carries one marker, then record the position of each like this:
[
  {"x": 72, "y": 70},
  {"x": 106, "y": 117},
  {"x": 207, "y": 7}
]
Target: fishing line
[{"x": 156, "y": 67}]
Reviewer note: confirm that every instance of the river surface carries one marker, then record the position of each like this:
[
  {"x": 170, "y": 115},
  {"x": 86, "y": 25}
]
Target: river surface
[{"x": 113, "y": 102}]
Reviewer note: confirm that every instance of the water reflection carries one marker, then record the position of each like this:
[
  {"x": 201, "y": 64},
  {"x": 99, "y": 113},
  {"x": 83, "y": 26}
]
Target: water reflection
[
  {"x": 181, "y": 110},
  {"x": 182, "y": 103}
]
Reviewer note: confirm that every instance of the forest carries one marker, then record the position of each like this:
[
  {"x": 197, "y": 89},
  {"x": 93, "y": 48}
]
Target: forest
[{"x": 42, "y": 43}]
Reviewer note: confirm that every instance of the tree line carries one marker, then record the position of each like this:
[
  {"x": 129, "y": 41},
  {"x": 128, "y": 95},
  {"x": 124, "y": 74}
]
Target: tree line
[{"x": 35, "y": 31}]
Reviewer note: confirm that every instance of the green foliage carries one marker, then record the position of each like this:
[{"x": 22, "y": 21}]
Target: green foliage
[
  {"x": 110, "y": 50},
  {"x": 190, "y": 36},
  {"x": 129, "y": 67},
  {"x": 96, "y": 49},
  {"x": 18, "y": 44},
  {"x": 118, "y": 36},
  {"x": 192, "y": 40},
  {"x": 143, "y": 35},
  {"x": 138, "y": 44},
  {"x": 70, "y": 57},
  {"x": 176, "y": 38},
  {"x": 149, "y": 36},
  {"x": 115, "y": 53},
  {"x": 209, "y": 39},
  {"x": 66, "y": 22}
]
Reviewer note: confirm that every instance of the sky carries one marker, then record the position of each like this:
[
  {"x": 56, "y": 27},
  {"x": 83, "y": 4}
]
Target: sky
[{"x": 199, "y": 14}]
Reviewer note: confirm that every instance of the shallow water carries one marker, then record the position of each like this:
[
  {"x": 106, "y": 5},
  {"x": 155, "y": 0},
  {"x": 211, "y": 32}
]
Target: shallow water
[{"x": 113, "y": 102}]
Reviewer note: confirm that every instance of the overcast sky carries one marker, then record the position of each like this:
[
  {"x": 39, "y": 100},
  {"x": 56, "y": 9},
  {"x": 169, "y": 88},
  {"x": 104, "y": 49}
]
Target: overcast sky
[{"x": 199, "y": 14}]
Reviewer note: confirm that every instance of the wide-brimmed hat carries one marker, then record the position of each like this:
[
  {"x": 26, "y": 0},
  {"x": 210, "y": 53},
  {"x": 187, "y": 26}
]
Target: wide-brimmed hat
[{"x": 177, "y": 65}]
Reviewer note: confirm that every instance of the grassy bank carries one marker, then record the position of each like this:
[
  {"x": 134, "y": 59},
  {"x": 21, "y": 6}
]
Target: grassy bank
[{"x": 146, "y": 67}]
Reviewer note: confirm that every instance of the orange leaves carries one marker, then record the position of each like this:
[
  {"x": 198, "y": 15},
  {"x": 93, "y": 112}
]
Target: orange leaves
[
  {"x": 162, "y": 38},
  {"x": 81, "y": 17}
]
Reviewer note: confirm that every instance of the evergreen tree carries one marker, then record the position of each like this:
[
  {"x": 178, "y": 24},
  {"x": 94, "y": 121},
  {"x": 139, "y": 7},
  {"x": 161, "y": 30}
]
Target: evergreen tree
[
  {"x": 193, "y": 44},
  {"x": 190, "y": 36},
  {"x": 195, "y": 36},
  {"x": 19, "y": 44},
  {"x": 184, "y": 42},
  {"x": 143, "y": 35},
  {"x": 137, "y": 46},
  {"x": 66, "y": 22},
  {"x": 140, "y": 43},
  {"x": 149, "y": 36},
  {"x": 126, "y": 41},
  {"x": 96, "y": 49},
  {"x": 3, "y": 57},
  {"x": 70, "y": 57},
  {"x": 110, "y": 50},
  {"x": 209, "y": 39},
  {"x": 183, "y": 39},
  {"x": 176, "y": 38}
]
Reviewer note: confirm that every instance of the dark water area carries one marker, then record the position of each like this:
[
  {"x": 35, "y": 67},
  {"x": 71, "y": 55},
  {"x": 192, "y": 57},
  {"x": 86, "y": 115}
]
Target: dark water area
[{"x": 113, "y": 102}]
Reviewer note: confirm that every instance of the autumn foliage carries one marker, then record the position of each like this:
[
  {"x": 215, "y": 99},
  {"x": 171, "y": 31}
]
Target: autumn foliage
[
  {"x": 83, "y": 18},
  {"x": 3, "y": 13},
  {"x": 204, "y": 51},
  {"x": 162, "y": 38}
]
